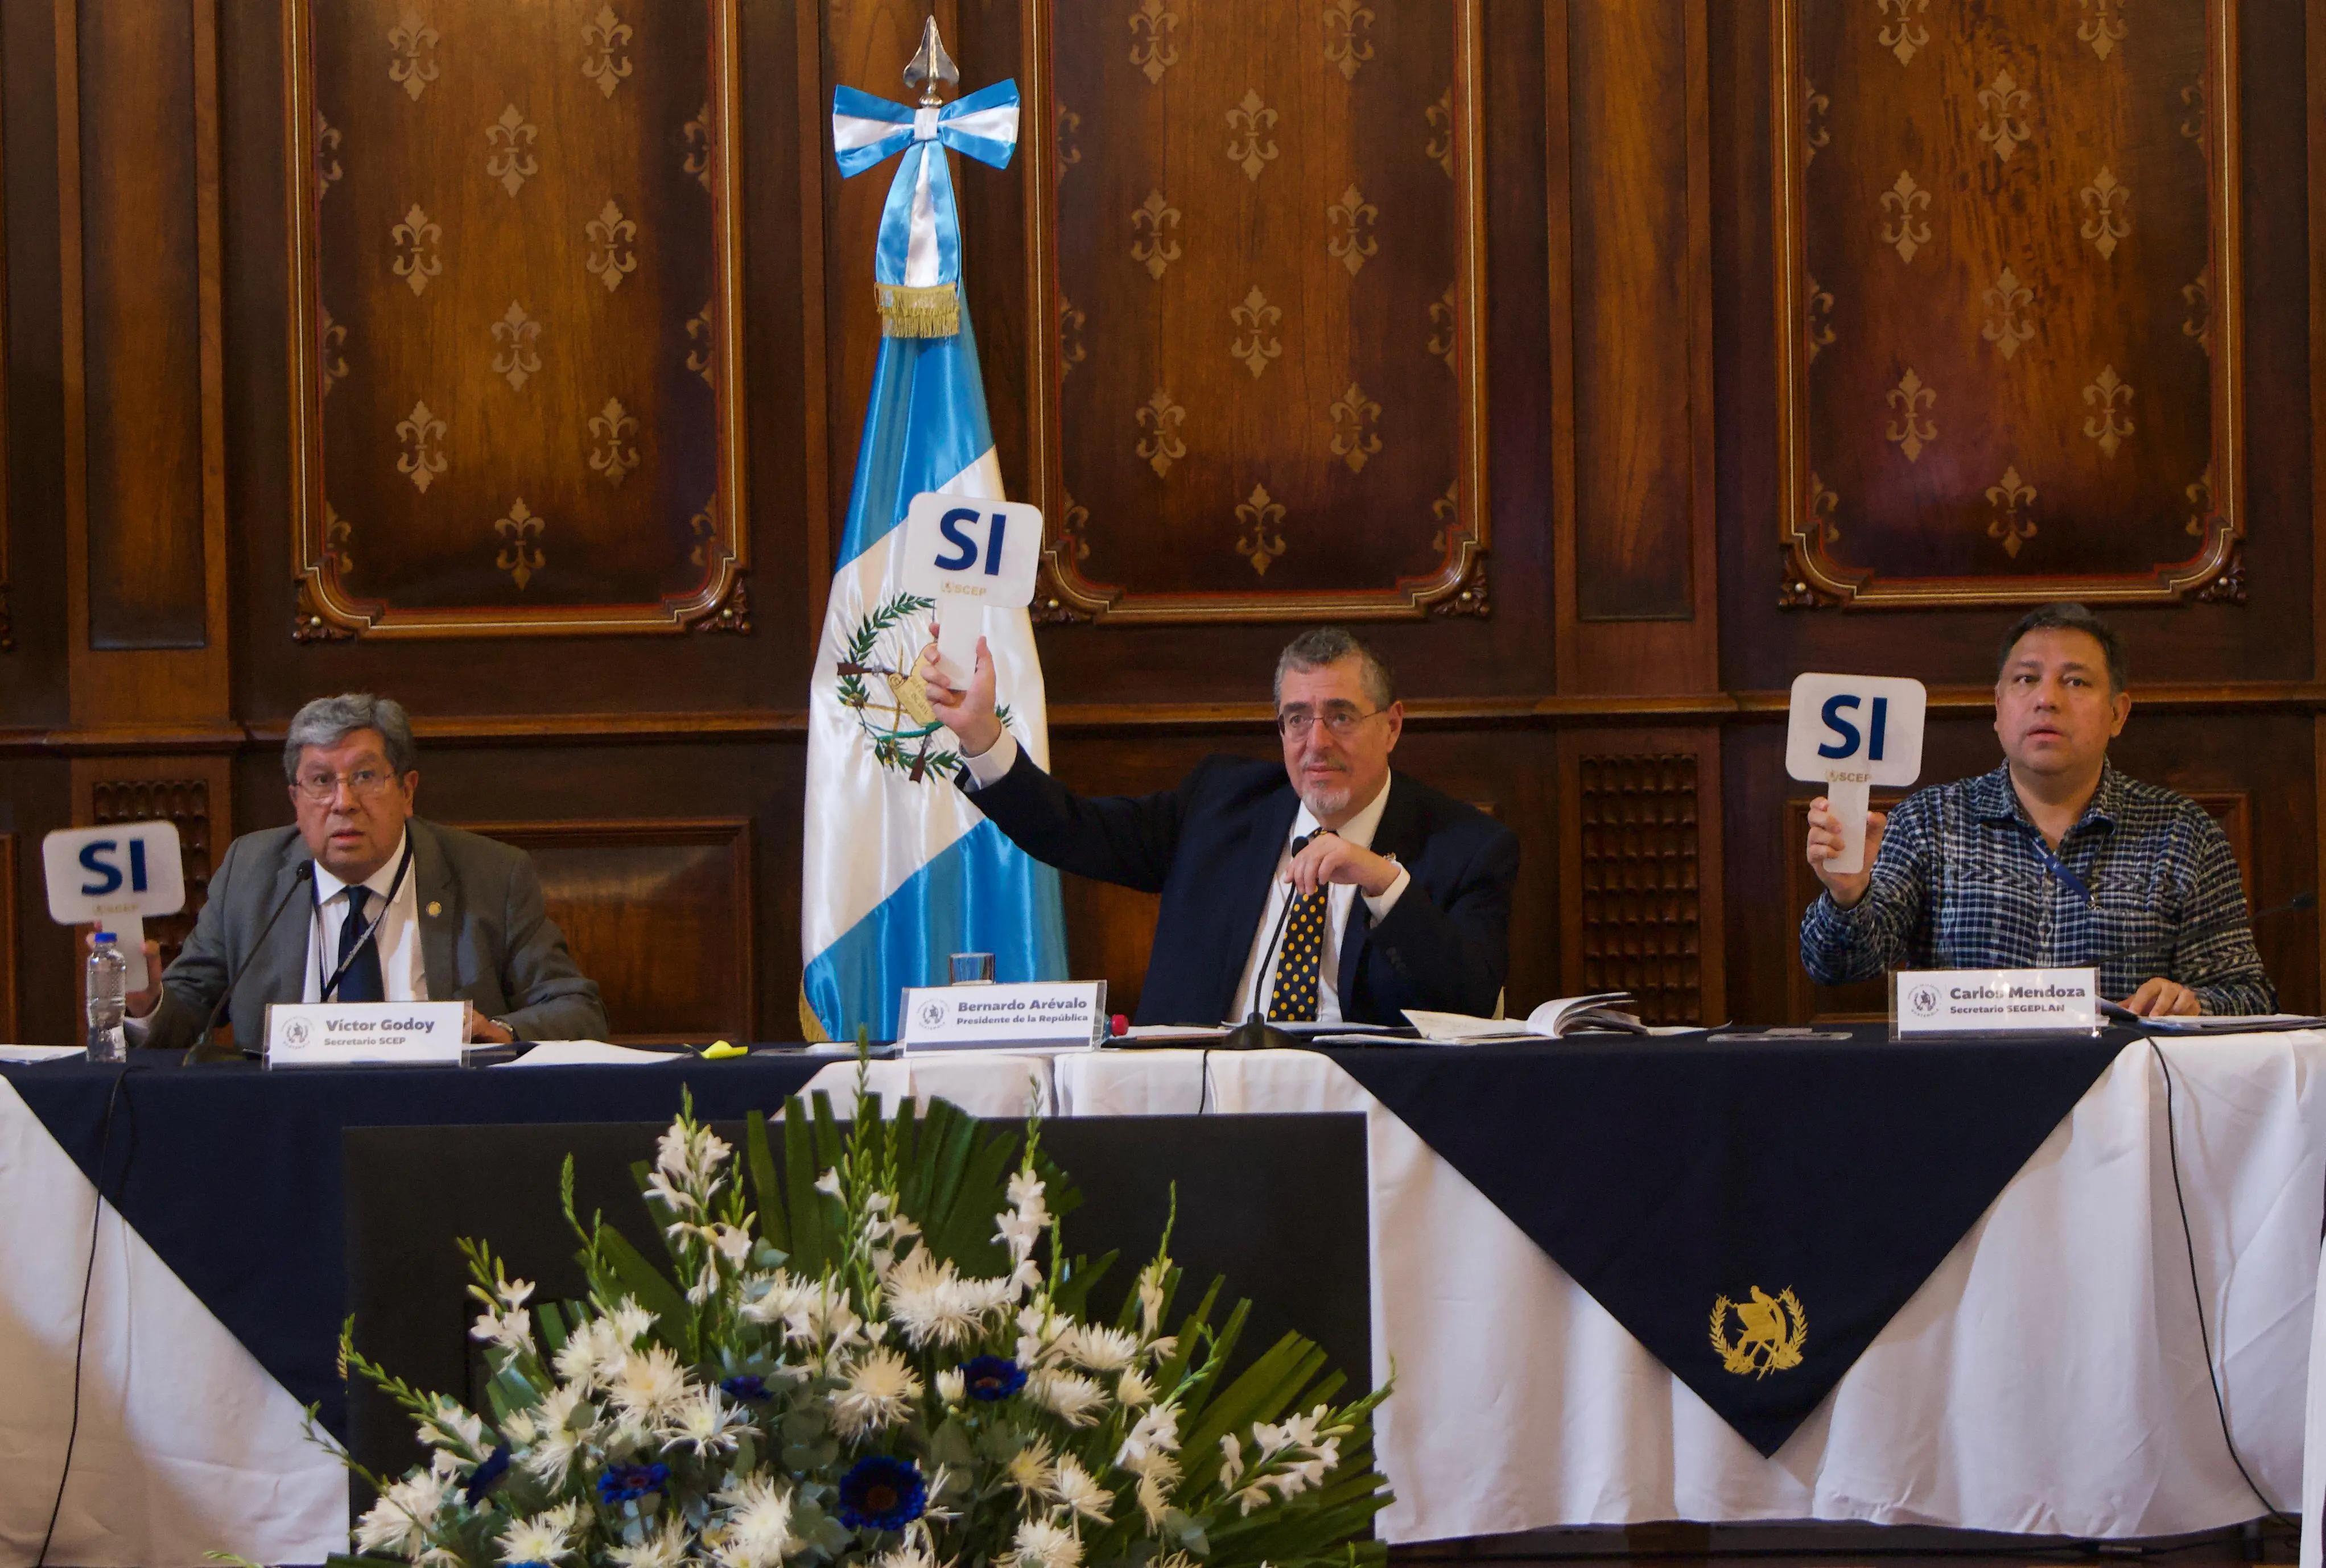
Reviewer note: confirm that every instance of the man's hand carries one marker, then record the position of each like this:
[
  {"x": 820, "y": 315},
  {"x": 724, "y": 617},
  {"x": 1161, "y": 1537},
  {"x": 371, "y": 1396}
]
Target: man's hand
[
  {"x": 483, "y": 1031},
  {"x": 1824, "y": 842},
  {"x": 138, "y": 1004},
  {"x": 1330, "y": 859},
  {"x": 968, "y": 713},
  {"x": 2159, "y": 997}
]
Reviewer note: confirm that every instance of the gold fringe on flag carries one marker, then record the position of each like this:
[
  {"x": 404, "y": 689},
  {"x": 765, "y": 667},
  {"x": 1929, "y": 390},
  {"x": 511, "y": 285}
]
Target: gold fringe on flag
[{"x": 909, "y": 312}]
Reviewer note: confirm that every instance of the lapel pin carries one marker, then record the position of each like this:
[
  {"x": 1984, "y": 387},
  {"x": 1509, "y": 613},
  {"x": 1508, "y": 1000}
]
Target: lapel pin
[{"x": 434, "y": 908}]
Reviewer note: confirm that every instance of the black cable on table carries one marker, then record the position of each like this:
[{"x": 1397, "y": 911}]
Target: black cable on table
[
  {"x": 80, "y": 1332},
  {"x": 2197, "y": 1291}
]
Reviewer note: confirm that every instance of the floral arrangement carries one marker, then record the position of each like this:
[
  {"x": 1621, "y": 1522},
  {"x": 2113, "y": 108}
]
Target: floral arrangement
[{"x": 880, "y": 1367}]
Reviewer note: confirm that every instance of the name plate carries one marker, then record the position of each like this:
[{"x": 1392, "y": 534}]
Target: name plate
[
  {"x": 1997, "y": 1001},
  {"x": 365, "y": 1034},
  {"x": 1064, "y": 1015}
]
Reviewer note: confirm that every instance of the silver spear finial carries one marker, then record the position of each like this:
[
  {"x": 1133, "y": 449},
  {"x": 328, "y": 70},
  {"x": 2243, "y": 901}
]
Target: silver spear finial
[{"x": 930, "y": 65}]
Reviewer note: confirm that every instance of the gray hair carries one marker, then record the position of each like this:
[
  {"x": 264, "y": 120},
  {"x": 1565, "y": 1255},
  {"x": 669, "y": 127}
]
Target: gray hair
[
  {"x": 1322, "y": 646},
  {"x": 328, "y": 720},
  {"x": 2067, "y": 616}
]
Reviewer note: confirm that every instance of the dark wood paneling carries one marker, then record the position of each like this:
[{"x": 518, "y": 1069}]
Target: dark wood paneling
[
  {"x": 139, "y": 254},
  {"x": 658, "y": 913},
  {"x": 11, "y": 958},
  {"x": 1639, "y": 841}
]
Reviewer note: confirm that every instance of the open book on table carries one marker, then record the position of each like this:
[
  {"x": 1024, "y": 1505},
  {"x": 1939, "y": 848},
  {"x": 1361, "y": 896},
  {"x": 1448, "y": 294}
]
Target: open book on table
[{"x": 1602, "y": 1012}]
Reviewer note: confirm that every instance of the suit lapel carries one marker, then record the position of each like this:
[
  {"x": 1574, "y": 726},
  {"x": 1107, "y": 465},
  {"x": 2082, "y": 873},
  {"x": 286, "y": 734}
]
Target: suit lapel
[
  {"x": 1394, "y": 836},
  {"x": 439, "y": 910},
  {"x": 1252, "y": 871}
]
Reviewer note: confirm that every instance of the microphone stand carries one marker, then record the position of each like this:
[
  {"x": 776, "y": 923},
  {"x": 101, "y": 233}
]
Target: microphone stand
[
  {"x": 1256, "y": 1033},
  {"x": 201, "y": 1050}
]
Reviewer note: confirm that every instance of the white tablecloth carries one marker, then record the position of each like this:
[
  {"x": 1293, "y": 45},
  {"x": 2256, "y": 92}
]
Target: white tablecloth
[{"x": 2047, "y": 1377}]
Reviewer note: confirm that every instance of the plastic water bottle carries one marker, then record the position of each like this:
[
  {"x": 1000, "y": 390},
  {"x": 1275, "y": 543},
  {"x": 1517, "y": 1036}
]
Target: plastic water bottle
[{"x": 108, "y": 977}]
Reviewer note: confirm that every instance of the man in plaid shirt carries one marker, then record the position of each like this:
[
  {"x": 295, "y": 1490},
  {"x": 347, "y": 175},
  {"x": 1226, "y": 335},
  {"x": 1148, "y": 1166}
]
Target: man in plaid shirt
[{"x": 2054, "y": 860}]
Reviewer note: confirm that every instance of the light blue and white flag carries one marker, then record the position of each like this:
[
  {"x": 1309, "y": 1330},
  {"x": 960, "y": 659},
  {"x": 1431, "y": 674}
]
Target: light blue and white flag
[{"x": 900, "y": 869}]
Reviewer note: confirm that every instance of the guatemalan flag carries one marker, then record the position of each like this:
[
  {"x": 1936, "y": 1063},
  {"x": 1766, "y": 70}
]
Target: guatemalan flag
[{"x": 900, "y": 868}]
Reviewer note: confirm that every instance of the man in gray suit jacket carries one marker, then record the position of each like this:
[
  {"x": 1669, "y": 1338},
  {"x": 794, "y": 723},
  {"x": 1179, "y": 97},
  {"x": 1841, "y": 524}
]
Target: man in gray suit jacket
[{"x": 363, "y": 901}]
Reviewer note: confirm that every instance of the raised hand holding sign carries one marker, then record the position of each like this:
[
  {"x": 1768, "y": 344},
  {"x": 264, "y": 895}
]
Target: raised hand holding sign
[
  {"x": 970, "y": 554},
  {"x": 113, "y": 878},
  {"x": 1850, "y": 733}
]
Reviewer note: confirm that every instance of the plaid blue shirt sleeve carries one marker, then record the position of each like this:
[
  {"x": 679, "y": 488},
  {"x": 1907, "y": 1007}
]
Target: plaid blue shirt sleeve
[{"x": 2219, "y": 961}]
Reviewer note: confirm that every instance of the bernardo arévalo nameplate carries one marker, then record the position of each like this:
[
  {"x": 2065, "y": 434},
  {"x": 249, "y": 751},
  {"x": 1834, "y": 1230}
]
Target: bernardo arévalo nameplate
[
  {"x": 1997, "y": 1001},
  {"x": 1052, "y": 1015},
  {"x": 365, "y": 1034}
]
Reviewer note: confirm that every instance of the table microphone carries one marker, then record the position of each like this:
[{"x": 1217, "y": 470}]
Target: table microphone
[
  {"x": 306, "y": 874},
  {"x": 1256, "y": 1033}
]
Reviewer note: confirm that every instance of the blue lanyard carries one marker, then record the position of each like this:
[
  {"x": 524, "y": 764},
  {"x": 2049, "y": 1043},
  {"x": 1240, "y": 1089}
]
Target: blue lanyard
[{"x": 2059, "y": 868}]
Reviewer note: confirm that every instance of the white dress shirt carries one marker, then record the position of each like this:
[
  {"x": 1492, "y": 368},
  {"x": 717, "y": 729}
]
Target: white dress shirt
[
  {"x": 399, "y": 930},
  {"x": 990, "y": 766}
]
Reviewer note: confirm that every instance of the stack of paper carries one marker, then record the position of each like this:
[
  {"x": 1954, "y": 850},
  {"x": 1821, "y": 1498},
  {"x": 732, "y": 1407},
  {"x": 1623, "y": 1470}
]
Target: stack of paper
[{"x": 1601, "y": 1012}]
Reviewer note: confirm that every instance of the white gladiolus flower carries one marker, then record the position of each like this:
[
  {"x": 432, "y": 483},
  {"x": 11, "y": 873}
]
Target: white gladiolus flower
[
  {"x": 399, "y": 1521},
  {"x": 930, "y": 1301},
  {"x": 1150, "y": 1296},
  {"x": 665, "y": 1549},
  {"x": 692, "y": 1158},
  {"x": 1029, "y": 1471},
  {"x": 734, "y": 1242},
  {"x": 511, "y": 1329},
  {"x": 1231, "y": 1460},
  {"x": 543, "y": 1538},
  {"x": 953, "y": 1388},
  {"x": 758, "y": 1528},
  {"x": 1074, "y": 1398},
  {"x": 829, "y": 1183},
  {"x": 1132, "y": 1389},
  {"x": 704, "y": 1422},
  {"x": 450, "y": 1426},
  {"x": 514, "y": 1293},
  {"x": 1043, "y": 1544},
  {"x": 880, "y": 1389},
  {"x": 1079, "y": 1491},
  {"x": 649, "y": 1385},
  {"x": 1099, "y": 1348},
  {"x": 1156, "y": 1432}
]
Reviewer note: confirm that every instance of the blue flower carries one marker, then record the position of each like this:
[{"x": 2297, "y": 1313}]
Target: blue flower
[
  {"x": 993, "y": 1377},
  {"x": 749, "y": 1389},
  {"x": 487, "y": 1473},
  {"x": 623, "y": 1483},
  {"x": 880, "y": 1493}
]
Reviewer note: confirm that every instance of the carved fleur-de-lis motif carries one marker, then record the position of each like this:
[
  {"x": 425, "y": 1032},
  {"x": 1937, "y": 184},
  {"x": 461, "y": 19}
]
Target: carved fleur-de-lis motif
[
  {"x": 516, "y": 359},
  {"x": 1071, "y": 351},
  {"x": 1151, "y": 245},
  {"x": 1814, "y": 105},
  {"x": 2106, "y": 199},
  {"x": 1352, "y": 221},
  {"x": 1444, "y": 313},
  {"x": 1446, "y": 509},
  {"x": 1255, "y": 343},
  {"x": 1348, "y": 44},
  {"x": 2003, "y": 104},
  {"x": 337, "y": 532},
  {"x": 412, "y": 49},
  {"x": 611, "y": 257},
  {"x": 704, "y": 526},
  {"x": 2192, "y": 98},
  {"x": 1161, "y": 418},
  {"x": 1904, "y": 231},
  {"x": 1901, "y": 34},
  {"x": 609, "y": 428},
  {"x": 1441, "y": 145},
  {"x": 2103, "y": 26},
  {"x": 1356, "y": 438},
  {"x": 422, "y": 434},
  {"x": 330, "y": 360},
  {"x": 605, "y": 49},
  {"x": 2007, "y": 496},
  {"x": 2110, "y": 398},
  {"x": 2199, "y": 294},
  {"x": 511, "y": 161},
  {"x": 1073, "y": 532},
  {"x": 1070, "y": 123},
  {"x": 2200, "y": 497},
  {"x": 1823, "y": 505},
  {"x": 416, "y": 241},
  {"x": 2006, "y": 328},
  {"x": 1910, "y": 431},
  {"x": 1152, "y": 27},
  {"x": 1819, "y": 324},
  {"x": 1259, "y": 529},
  {"x": 326, "y": 155},
  {"x": 697, "y": 131},
  {"x": 703, "y": 359},
  {"x": 1251, "y": 149},
  {"x": 524, "y": 555}
]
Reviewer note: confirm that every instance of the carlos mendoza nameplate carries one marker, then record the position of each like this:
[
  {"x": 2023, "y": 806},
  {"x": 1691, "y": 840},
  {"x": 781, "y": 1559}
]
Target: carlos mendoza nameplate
[
  {"x": 1997, "y": 1001},
  {"x": 365, "y": 1034},
  {"x": 1052, "y": 1015}
]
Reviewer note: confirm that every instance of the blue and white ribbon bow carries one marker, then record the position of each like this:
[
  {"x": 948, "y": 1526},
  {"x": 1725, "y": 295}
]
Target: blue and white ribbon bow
[{"x": 918, "y": 262}]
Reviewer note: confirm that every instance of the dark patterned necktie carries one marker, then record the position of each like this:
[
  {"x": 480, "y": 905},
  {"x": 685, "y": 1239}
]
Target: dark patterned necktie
[
  {"x": 1293, "y": 998},
  {"x": 360, "y": 981}
]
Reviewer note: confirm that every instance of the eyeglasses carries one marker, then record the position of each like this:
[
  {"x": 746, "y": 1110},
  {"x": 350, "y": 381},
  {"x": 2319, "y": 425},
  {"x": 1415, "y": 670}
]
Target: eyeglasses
[
  {"x": 1340, "y": 720},
  {"x": 365, "y": 785}
]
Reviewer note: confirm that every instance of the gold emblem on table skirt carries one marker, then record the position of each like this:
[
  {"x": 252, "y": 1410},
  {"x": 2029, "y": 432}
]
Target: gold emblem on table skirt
[{"x": 1772, "y": 1332}]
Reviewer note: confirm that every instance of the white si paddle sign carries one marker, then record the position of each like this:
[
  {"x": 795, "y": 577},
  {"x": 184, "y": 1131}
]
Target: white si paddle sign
[
  {"x": 970, "y": 554},
  {"x": 1850, "y": 733}
]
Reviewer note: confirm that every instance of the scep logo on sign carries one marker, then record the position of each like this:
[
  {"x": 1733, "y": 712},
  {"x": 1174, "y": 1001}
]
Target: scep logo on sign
[
  {"x": 970, "y": 554},
  {"x": 97, "y": 874}
]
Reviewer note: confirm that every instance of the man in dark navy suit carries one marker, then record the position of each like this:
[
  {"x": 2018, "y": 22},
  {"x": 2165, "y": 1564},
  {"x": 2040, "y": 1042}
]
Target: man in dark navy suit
[{"x": 1400, "y": 896}]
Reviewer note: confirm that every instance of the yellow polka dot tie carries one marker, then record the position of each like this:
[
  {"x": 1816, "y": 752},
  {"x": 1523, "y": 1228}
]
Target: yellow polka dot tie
[{"x": 1293, "y": 998}]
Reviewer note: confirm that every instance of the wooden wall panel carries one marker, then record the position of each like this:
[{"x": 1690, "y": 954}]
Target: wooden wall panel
[
  {"x": 1640, "y": 837},
  {"x": 11, "y": 957}
]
